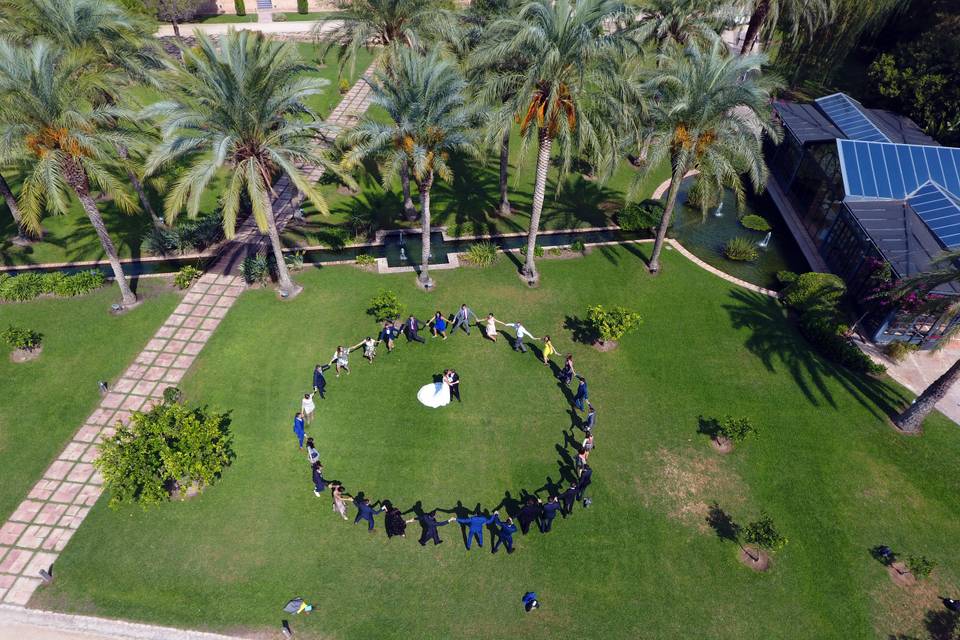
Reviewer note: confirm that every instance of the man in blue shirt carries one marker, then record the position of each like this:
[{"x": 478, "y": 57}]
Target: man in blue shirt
[
  {"x": 366, "y": 512},
  {"x": 298, "y": 428},
  {"x": 476, "y": 523},
  {"x": 581, "y": 398},
  {"x": 505, "y": 531},
  {"x": 548, "y": 513}
]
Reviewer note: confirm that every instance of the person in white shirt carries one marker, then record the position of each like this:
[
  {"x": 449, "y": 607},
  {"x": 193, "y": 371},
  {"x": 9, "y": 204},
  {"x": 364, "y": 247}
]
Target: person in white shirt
[
  {"x": 307, "y": 407},
  {"x": 521, "y": 334}
]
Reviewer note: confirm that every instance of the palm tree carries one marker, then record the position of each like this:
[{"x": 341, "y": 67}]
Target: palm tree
[
  {"x": 787, "y": 15},
  {"x": 424, "y": 94},
  {"x": 47, "y": 114},
  {"x": 239, "y": 108},
  {"x": 911, "y": 419},
  {"x": 383, "y": 26},
  {"x": 13, "y": 207},
  {"x": 710, "y": 111},
  {"x": 663, "y": 22},
  {"x": 563, "y": 42},
  {"x": 111, "y": 36}
]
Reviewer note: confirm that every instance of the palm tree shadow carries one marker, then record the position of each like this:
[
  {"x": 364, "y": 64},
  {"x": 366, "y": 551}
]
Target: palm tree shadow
[{"x": 775, "y": 341}]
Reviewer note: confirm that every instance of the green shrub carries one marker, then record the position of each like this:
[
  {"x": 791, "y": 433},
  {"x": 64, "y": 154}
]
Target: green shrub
[
  {"x": 755, "y": 222},
  {"x": 482, "y": 254},
  {"x": 240, "y": 7},
  {"x": 764, "y": 534},
  {"x": 294, "y": 261},
  {"x": 823, "y": 330},
  {"x": 537, "y": 251},
  {"x": 168, "y": 447},
  {"x": 186, "y": 276},
  {"x": 578, "y": 245},
  {"x": 19, "y": 338},
  {"x": 639, "y": 216},
  {"x": 741, "y": 250},
  {"x": 255, "y": 269},
  {"x": 366, "y": 260},
  {"x": 344, "y": 85},
  {"x": 25, "y": 286},
  {"x": 898, "y": 351},
  {"x": 172, "y": 395},
  {"x": 735, "y": 429},
  {"x": 279, "y": 17},
  {"x": 302, "y": 7},
  {"x": 786, "y": 277},
  {"x": 386, "y": 305},
  {"x": 556, "y": 251},
  {"x": 82, "y": 282},
  {"x": 813, "y": 290},
  {"x": 53, "y": 281},
  {"x": 612, "y": 324},
  {"x": 920, "y": 566}
]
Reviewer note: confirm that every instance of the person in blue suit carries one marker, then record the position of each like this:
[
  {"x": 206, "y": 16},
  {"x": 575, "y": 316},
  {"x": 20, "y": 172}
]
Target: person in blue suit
[
  {"x": 581, "y": 398},
  {"x": 298, "y": 428},
  {"x": 476, "y": 522},
  {"x": 548, "y": 512},
  {"x": 505, "y": 531},
  {"x": 366, "y": 512}
]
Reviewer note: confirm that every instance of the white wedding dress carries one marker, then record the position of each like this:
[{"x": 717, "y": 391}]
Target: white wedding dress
[{"x": 434, "y": 395}]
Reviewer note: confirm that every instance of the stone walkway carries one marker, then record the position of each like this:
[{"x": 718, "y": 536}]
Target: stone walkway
[
  {"x": 40, "y": 527},
  {"x": 248, "y": 239}
]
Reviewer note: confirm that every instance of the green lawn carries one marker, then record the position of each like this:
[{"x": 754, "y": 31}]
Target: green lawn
[
  {"x": 307, "y": 17},
  {"x": 45, "y": 401},
  {"x": 223, "y": 18},
  {"x": 70, "y": 238},
  {"x": 640, "y": 563}
]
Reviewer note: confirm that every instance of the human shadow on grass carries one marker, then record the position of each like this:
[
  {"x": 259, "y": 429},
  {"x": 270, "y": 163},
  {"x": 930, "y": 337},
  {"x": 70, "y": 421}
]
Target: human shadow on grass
[{"x": 774, "y": 339}]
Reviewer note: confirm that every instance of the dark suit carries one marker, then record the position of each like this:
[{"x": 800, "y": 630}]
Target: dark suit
[
  {"x": 455, "y": 386},
  {"x": 585, "y": 479},
  {"x": 567, "y": 498},
  {"x": 550, "y": 510},
  {"x": 411, "y": 329},
  {"x": 319, "y": 382},
  {"x": 528, "y": 514},
  {"x": 505, "y": 533},
  {"x": 430, "y": 524}
]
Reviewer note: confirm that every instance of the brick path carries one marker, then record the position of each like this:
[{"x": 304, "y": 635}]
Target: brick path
[
  {"x": 249, "y": 240},
  {"x": 44, "y": 522}
]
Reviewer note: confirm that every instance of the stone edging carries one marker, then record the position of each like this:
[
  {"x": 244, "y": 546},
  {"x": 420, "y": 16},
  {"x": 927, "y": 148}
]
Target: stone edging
[{"x": 120, "y": 629}]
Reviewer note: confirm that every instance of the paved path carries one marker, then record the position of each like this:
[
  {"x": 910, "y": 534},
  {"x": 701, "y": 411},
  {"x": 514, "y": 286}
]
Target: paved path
[
  {"x": 249, "y": 240},
  {"x": 17, "y": 623},
  {"x": 40, "y": 527}
]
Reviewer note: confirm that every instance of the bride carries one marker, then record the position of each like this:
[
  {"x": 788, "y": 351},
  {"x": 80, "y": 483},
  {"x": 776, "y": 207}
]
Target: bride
[{"x": 436, "y": 394}]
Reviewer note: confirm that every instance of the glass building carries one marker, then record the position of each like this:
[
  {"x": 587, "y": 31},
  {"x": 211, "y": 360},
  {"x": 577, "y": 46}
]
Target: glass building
[{"x": 870, "y": 197}]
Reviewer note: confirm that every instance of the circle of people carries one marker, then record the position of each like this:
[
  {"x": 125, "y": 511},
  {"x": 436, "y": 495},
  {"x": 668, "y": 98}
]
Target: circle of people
[{"x": 533, "y": 509}]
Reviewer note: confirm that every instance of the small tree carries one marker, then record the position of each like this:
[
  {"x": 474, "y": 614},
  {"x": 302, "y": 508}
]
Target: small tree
[
  {"x": 19, "y": 338},
  {"x": 240, "y": 7},
  {"x": 176, "y": 11},
  {"x": 302, "y": 7},
  {"x": 764, "y": 534},
  {"x": 164, "y": 449},
  {"x": 730, "y": 429},
  {"x": 386, "y": 306},
  {"x": 920, "y": 566},
  {"x": 609, "y": 325}
]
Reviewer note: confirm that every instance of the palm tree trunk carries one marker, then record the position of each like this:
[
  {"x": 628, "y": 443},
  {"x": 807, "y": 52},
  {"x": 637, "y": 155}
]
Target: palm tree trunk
[
  {"x": 757, "y": 19},
  {"x": 409, "y": 210},
  {"x": 539, "y": 189},
  {"x": 504, "y": 173},
  {"x": 287, "y": 287},
  {"x": 77, "y": 179},
  {"x": 424, "y": 186},
  {"x": 913, "y": 416},
  {"x": 13, "y": 206},
  {"x": 672, "y": 192},
  {"x": 138, "y": 187},
  {"x": 176, "y": 28}
]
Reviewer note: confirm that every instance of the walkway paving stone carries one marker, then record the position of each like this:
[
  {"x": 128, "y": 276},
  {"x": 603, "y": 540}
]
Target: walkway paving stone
[{"x": 42, "y": 525}]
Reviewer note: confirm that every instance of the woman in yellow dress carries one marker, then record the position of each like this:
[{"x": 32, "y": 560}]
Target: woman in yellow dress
[{"x": 548, "y": 349}]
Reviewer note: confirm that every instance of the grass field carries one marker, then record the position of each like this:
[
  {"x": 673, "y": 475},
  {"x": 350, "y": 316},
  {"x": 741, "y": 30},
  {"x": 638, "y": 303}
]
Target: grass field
[
  {"x": 640, "y": 563},
  {"x": 45, "y": 401}
]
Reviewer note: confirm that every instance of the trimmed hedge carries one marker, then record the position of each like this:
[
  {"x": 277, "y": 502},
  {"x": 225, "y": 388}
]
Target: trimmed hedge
[{"x": 27, "y": 286}]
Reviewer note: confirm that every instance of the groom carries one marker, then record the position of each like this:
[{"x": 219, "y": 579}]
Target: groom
[{"x": 455, "y": 385}]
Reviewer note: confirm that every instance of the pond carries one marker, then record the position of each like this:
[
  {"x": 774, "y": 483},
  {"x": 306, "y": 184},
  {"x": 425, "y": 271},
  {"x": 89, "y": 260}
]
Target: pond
[{"x": 705, "y": 237}]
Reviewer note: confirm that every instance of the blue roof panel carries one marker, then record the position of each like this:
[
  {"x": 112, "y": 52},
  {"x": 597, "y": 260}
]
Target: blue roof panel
[
  {"x": 878, "y": 170},
  {"x": 849, "y": 117},
  {"x": 939, "y": 211}
]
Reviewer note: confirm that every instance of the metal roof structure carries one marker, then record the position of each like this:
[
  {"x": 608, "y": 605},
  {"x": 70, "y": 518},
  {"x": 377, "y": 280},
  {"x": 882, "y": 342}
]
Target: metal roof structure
[
  {"x": 894, "y": 171},
  {"x": 850, "y": 118},
  {"x": 806, "y": 123}
]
